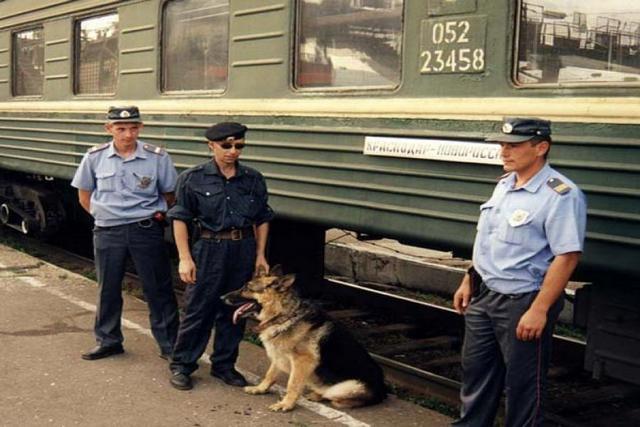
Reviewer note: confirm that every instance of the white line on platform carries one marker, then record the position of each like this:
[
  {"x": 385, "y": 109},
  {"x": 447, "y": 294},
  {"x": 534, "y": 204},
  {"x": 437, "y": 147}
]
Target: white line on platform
[{"x": 318, "y": 408}]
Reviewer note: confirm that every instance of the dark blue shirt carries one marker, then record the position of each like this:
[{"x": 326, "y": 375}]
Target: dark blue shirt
[{"x": 204, "y": 195}]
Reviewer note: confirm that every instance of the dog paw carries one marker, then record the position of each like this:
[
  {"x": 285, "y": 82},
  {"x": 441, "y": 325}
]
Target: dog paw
[
  {"x": 282, "y": 406},
  {"x": 254, "y": 389}
]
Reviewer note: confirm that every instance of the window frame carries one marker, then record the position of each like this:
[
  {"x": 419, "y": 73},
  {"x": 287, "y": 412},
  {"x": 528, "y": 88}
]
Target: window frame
[
  {"x": 14, "y": 62},
  {"x": 528, "y": 86},
  {"x": 75, "y": 54},
  {"x": 347, "y": 90},
  {"x": 161, "y": 60}
]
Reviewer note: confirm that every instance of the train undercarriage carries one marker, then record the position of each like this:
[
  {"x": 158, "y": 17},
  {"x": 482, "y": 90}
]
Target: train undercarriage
[{"x": 31, "y": 205}]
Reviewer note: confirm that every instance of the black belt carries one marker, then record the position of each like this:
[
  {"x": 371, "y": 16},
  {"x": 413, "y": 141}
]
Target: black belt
[
  {"x": 143, "y": 223},
  {"x": 233, "y": 234}
]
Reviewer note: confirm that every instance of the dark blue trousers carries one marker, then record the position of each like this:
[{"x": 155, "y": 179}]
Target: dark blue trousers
[
  {"x": 147, "y": 249},
  {"x": 493, "y": 360},
  {"x": 221, "y": 266}
]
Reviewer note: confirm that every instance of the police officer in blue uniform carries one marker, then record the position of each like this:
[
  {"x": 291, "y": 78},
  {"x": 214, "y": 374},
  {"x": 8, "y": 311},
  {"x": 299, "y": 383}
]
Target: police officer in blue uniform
[
  {"x": 222, "y": 207},
  {"x": 126, "y": 185},
  {"x": 529, "y": 240}
]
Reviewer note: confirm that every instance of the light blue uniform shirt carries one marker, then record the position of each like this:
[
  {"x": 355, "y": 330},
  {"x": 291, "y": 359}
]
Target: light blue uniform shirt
[
  {"x": 521, "y": 230},
  {"x": 125, "y": 190}
]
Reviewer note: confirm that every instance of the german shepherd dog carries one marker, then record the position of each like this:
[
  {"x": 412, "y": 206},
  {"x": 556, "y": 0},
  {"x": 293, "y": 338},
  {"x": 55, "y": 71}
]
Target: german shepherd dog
[{"x": 302, "y": 340}]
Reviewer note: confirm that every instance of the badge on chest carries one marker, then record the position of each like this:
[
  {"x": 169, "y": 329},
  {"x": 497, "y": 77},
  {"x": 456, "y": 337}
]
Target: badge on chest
[
  {"x": 518, "y": 217},
  {"x": 144, "y": 182}
]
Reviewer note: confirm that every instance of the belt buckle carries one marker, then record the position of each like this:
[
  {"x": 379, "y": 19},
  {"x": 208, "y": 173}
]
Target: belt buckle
[
  {"x": 236, "y": 234},
  {"x": 145, "y": 223}
]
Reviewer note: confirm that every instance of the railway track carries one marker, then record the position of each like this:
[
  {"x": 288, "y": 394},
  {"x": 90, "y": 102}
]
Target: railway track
[
  {"x": 426, "y": 360},
  {"x": 418, "y": 345}
]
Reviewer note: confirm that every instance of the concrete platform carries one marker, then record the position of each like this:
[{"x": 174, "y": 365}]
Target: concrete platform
[
  {"x": 46, "y": 320},
  {"x": 390, "y": 262}
]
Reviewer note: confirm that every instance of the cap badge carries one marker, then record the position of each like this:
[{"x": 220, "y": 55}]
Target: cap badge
[
  {"x": 507, "y": 128},
  {"x": 518, "y": 217},
  {"x": 124, "y": 114}
]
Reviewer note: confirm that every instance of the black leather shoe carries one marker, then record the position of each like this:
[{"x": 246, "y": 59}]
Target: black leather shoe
[
  {"x": 181, "y": 381},
  {"x": 102, "y": 352},
  {"x": 231, "y": 377}
]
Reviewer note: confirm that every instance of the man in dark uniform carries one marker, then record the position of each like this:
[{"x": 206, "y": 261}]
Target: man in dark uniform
[
  {"x": 125, "y": 184},
  {"x": 224, "y": 204},
  {"x": 529, "y": 240}
]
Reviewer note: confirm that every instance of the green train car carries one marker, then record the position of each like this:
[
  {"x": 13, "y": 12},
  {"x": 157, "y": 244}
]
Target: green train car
[{"x": 363, "y": 114}]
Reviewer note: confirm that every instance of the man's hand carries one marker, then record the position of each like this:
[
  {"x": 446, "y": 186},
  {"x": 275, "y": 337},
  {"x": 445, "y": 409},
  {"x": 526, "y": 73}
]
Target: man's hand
[
  {"x": 187, "y": 270},
  {"x": 531, "y": 325},
  {"x": 261, "y": 262},
  {"x": 84, "y": 197},
  {"x": 463, "y": 295},
  {"x": 533, "y": 321}
]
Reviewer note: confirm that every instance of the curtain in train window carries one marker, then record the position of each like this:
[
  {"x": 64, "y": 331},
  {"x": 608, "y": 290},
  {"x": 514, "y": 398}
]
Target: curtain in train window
[
  {"x": 97, "y": 55},
  {"x": 579, "y": 41},
  {"x": 195, "y": 45},
  {"x": 349, "y": 43},
  {"x": 28, "y": 56}
]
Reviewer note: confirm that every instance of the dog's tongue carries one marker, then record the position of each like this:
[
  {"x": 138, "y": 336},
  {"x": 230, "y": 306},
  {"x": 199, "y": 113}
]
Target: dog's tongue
[{"x": 241, "y": 310}]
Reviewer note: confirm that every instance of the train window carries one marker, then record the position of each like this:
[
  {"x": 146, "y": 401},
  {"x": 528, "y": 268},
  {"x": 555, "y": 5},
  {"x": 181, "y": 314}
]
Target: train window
[
  {"x": 97, "y": 55},
  {"x": 28, "y": 59},
  {"x": 195, "y": 52},
  {"x": 572, "y": 42},
  {"x": 348, "y": 43}
]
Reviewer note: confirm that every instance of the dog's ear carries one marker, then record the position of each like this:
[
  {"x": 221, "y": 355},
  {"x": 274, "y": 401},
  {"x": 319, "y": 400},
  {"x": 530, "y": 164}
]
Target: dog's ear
[
  {"x": 260, "y": 272},
  {"x": 286, "y": 281},
  {"x": 276, "y": 270}
]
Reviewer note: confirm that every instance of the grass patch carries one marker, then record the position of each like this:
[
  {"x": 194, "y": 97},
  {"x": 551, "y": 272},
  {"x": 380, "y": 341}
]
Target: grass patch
[
  {"x": 433, "y": 299},
  {"x": 252, "y": 337},
  {"x": 570, "y": 331},
  {"x": 6, "y": 238},
  {"x": 428, "y": 402}
]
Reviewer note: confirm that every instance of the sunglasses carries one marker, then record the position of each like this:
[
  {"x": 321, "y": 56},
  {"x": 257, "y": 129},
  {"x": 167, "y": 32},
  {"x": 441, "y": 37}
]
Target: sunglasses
[{"x": 228, "y": 145}]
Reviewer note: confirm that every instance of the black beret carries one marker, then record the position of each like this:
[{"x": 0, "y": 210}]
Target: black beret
[
  {"x": 224, "y": 130},
  {"x": 124, "y": 114},
  {"x": 517, "y": 129}
]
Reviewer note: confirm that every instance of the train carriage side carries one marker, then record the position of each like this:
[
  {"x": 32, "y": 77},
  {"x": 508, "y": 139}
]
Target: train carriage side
[{"x": 367, "y": 115}]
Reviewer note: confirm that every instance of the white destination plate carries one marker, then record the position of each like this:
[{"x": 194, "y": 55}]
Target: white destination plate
[{"x": 433, "y": 149}]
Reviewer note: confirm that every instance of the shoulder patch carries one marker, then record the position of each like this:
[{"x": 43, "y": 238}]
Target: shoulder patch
[
  {"x": 97, "y": 148},
  {"x": 558, "y": 186},
  {"x": 154, "y": 149}
]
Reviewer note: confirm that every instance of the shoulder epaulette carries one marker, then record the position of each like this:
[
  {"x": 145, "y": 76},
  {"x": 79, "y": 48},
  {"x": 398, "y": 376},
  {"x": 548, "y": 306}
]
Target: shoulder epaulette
[
  {"x": 503, "y": 176},
  {"x": 192, "y": 169},
  {"x": 246, "y": 170},
  {"x": 154, "y": 149},
  {"x": 558, "y": 186},
  {"x": 97, "y": 148}
]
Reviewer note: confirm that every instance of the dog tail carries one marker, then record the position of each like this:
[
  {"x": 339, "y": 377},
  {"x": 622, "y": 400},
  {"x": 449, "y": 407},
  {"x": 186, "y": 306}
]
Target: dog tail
[
  {"x": 352, "y": 393},
  {"x": 346, "y": 390}
]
